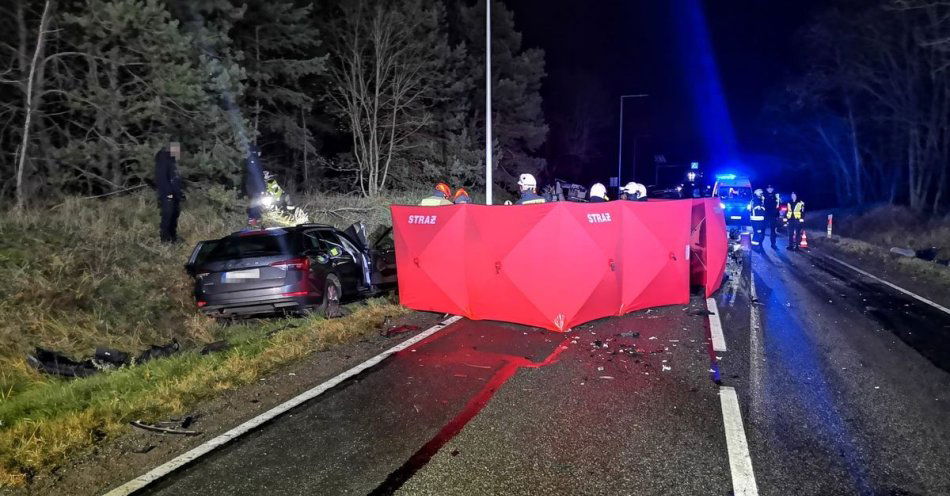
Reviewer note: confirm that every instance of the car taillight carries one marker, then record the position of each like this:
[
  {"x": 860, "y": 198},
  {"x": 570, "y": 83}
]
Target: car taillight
[
  {"x": 202, "y": 303},
  {"x": 293, "y": 263},
  {"x": 296, "y": 293}
]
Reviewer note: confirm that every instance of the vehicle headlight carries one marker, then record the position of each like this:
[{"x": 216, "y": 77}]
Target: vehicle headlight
[{"x": 722, "y": 205}]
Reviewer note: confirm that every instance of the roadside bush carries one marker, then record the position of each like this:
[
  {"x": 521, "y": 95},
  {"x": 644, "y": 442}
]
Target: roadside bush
[{"x": 87, "y": 273}]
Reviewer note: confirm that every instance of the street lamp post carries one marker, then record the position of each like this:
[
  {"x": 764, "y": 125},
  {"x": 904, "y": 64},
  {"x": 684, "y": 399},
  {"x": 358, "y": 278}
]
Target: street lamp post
[
  {"x": 620, "y": 148},
  {"x": 488, "y": 143}
]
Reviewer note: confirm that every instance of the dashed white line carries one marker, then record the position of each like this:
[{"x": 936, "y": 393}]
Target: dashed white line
[
  {"x": 902, "y": 290},
  {"x": 205, "y": 448},
  {"x": 715, "y": 326},
  {"x": 740, "y": 462}
]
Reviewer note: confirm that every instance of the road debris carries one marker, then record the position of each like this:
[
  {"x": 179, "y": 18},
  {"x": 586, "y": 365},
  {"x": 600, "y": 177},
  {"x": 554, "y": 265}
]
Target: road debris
[
  {"x": 396, "y": 330},
  {"x": 667, "y": 368},
  {"x": 177, "y": 427},
  {"x": 629, "y": 334},
  {"x": 56, "y": 363},
  {"x": 159, "y": 351}
]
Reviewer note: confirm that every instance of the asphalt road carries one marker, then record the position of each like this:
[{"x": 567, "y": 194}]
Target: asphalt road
[{"x": 842, "y": 387}]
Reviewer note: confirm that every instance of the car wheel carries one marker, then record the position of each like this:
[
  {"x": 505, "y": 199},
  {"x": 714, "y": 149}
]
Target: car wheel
[{"x": 330, "y": 304}]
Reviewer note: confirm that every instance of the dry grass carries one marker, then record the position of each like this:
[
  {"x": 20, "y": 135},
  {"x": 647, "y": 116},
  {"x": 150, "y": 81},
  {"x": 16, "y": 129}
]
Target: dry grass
[
  {"x": 914, "y": 266},
  {"x": 90, "y": 273},
  {"x": 888, "y": 226}
]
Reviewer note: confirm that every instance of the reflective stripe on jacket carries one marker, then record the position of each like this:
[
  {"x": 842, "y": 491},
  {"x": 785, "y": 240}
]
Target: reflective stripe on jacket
[
  {"x": 529, "y": 198},
  {"x": 796, "y": 210}
]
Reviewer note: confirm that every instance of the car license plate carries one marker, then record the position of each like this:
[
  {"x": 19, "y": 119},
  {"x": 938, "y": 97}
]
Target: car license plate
[
  {"x": 736, "y": 217},
  {"x": 240, "y": 275}
]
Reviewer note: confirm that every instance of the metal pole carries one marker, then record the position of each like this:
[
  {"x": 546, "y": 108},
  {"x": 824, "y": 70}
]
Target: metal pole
[
  {"x": 620, "y": 150},
  {"x": 488, "y": 141}
]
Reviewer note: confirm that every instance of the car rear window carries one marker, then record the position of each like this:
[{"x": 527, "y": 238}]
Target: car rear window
[{"x": 262, "y": 245}]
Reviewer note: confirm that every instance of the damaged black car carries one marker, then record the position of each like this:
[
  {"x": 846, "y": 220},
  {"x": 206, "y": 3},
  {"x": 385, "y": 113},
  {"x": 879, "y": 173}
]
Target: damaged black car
[{"x": 309, "y": 268}]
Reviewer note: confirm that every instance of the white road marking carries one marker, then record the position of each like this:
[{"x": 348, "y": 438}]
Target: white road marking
[
  {"x": 755, "y": 347},
  {"x": 902, "y": 290},
  {"x": 715, "y": 326},
  {"x": 740, "y": 462},
  {"x": 205, "y": 448}
]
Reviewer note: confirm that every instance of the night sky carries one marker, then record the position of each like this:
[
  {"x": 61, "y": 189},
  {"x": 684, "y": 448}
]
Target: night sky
[{"x": 611, "y": 47}]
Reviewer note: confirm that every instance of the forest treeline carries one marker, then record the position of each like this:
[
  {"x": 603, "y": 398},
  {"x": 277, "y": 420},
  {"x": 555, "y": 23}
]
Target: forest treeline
[
  {"x": 345, "y": 95},
  {"x": 869, "y": 119}
]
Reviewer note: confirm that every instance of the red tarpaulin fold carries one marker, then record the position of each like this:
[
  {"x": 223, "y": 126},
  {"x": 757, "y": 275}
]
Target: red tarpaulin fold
[{"x": 554, "y": 265}]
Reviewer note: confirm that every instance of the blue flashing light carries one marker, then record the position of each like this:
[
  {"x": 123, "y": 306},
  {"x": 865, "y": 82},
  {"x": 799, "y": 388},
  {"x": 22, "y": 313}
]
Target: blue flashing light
[
  {"x": 726, "y": 177},
  {"x": 694, "y": 165}
]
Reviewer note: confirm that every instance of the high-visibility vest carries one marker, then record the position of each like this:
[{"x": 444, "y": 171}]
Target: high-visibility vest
[
  {"x": 796, "y": 211},
  {"x": 434, "y": 201},
  {"x": 275, "y": 190},
  {"x": 529, "y": 202}
]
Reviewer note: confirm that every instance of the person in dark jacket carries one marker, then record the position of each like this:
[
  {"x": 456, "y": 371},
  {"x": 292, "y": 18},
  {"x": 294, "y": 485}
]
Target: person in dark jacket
[
  {"x": 772, "y": 202},
  {"x": 757, "y": 217},
  {"x": 168, "y": 183}
]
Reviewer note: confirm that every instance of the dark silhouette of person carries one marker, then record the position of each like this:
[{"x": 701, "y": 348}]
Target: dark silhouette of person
[{"x": 168, "y": 184}]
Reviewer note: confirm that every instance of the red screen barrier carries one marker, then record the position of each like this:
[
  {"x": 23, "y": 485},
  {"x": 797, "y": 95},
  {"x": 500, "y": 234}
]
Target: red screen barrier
[{"x": 554, "y": 265}]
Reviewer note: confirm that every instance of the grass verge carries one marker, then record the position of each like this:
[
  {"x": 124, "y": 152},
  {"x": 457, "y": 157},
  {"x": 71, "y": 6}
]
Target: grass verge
[
  {"x": 87, "y": 273},
  {"x": 909, "y": 265},
  {"x": 47, "y": 423}
]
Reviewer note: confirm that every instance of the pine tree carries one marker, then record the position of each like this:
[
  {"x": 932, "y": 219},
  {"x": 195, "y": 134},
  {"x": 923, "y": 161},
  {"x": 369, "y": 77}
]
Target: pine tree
[
  {"x": 279, "y": 45},
  {"x": 136, "y": 83},
  {"x": 519, "y": 129}
]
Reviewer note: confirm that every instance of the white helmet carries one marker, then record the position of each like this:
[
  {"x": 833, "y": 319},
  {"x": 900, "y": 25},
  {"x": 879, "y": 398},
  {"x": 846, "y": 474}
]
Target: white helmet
[
  {"x": 598, "y": 191},
  {"x": 641, "y": 191},
  {"x": 758, "y": 192},
  {"x": 527, "y": 181},
  {"x": 630, "y": 188}
]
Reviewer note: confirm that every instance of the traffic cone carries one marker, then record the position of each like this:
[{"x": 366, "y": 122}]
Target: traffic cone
[{"x": 804, "y": 243}]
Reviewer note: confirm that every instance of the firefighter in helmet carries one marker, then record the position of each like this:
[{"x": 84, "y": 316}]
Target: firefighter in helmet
[
  {"x": 598, "y": 193},
  {"x": 633, "y": 192},
  {"x": 461, "y": 196},
  {"x": 528, "y": 188},
  {"x": 440, "y": 196},
  {"x": 276, "y": 206}
]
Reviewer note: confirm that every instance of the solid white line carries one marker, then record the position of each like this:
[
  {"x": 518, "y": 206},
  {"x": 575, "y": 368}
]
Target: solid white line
[
  {"x": 755, "y": 347},
  {"x": 740, "y": 462},
  {"x": 203, "y": 449},
  {"x": 715, "y": 326},
  {"x": 902, "y": 290}
]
